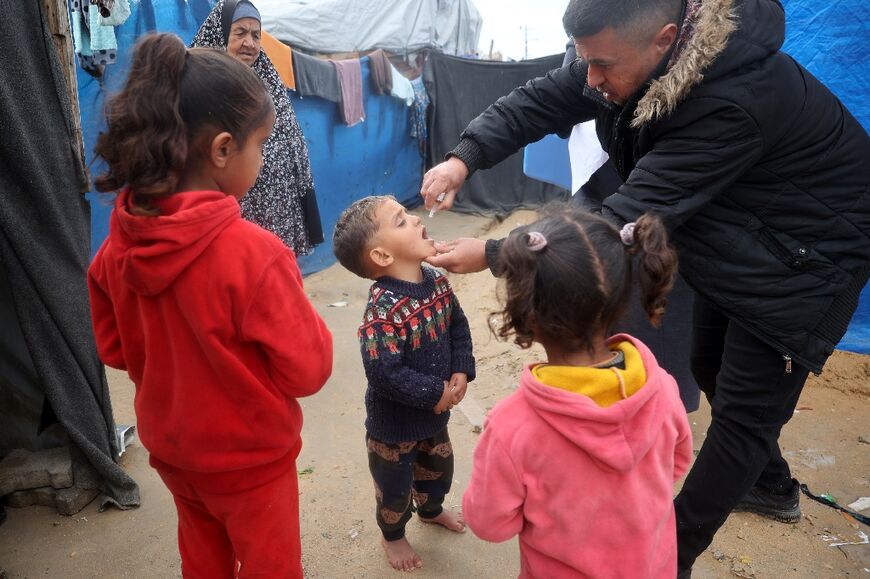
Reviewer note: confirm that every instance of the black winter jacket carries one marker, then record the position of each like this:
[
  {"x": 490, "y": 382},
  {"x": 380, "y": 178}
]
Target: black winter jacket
[{"x": 761, "y": 174}]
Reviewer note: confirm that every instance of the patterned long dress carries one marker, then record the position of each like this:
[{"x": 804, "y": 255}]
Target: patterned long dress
[{"x": 277, "y": 199}]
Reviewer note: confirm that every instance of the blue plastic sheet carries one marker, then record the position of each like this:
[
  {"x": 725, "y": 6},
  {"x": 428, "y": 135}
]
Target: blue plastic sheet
[
  {"x": 375, "y": 157},
  {"x": 832, "y": 41},
  {"x": 549, "y": 161}
]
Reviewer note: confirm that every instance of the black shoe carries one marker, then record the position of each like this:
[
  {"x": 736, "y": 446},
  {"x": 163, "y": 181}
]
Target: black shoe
[{"x": 784, "y": 508}]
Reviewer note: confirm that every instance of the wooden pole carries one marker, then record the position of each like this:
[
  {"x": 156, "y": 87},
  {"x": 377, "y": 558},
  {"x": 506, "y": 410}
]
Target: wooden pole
[{"x": 56, "y": 16}]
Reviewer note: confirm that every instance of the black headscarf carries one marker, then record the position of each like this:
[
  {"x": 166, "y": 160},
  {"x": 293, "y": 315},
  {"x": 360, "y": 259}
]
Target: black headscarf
[{"x": 228, "y": 13}]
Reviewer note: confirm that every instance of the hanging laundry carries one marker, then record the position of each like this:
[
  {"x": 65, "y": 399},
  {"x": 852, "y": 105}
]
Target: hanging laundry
[
  {"x": 95, "y": 44},
  {"x": 315, "y": 77},
  {"x": 118, "y": 15},
  {"x": 419, "y": 126},
  {"x": 281, "y": 56},
  {"x": 350, "y": 81},
  {"x": 380, "y": 67},
  {"x": 402, "y": 88}
]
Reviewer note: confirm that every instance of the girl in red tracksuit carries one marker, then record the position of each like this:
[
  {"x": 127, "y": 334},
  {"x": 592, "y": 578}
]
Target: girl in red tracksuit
[{"x": 205, "y": 310}]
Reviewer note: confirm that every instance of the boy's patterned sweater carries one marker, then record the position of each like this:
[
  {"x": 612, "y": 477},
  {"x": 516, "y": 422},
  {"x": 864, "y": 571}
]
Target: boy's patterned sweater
[{"x": 413, "y": 337}]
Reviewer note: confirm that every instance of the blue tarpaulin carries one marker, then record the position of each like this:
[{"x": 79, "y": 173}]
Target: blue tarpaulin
[
  {"x": 548, "y": 160},
  {"x": 375, "y": 157},
  {"x": 832, "y": 41}
]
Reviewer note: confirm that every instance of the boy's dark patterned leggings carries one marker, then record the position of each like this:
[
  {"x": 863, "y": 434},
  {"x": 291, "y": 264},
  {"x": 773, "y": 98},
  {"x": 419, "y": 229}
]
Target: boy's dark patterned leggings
[{"x": 422, "y": 470}]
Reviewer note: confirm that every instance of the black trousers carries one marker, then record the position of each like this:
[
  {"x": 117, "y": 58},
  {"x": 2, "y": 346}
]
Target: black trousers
[
  {"x": 752, "y": 395},
  {"x": 420, "y": 470}
]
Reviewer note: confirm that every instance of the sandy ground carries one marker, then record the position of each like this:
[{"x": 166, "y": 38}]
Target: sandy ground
[{"x": 340, "y": 538}]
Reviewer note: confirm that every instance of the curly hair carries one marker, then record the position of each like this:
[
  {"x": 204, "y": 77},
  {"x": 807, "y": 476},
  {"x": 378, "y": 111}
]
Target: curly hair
[
  {"x": 173, "y": 97},
  {"x": 578, "y": 285}
]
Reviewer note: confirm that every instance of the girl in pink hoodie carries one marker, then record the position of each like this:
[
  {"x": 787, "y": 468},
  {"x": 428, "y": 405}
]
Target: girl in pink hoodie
[{"x": 581, "y": 460}]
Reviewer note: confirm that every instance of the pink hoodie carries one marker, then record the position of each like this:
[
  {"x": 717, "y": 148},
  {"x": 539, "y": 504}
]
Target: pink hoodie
[{"x": 589, "y": 490}]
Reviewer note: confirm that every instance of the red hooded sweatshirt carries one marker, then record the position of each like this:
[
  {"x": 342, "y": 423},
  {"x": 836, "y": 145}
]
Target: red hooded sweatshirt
[
  {"x": 207, "y": 314},
  {"x": 589, "y": 490}
]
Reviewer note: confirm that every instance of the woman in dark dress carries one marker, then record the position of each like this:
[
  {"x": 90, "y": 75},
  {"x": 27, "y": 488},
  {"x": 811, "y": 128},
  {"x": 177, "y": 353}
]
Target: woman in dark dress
[{"x": 282, "y": 199}]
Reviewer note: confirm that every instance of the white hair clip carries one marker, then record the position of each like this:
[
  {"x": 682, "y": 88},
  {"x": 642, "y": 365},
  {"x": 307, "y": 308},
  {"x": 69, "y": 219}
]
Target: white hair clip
[
  {"x": 537, "y": 241},
  {"x": 627, "y": 233}
]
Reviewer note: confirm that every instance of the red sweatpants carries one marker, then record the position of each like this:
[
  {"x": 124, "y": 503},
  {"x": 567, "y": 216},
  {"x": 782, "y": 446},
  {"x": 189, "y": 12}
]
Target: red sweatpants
[{"x": 252, "y": 533}]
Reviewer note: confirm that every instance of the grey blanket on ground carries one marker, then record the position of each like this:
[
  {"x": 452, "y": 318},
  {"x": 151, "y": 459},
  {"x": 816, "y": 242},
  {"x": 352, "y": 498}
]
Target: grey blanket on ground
[{"x": 44, "y": 246}]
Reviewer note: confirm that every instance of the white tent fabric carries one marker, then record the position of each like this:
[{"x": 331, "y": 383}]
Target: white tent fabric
[{"x": 399, "y": 26}]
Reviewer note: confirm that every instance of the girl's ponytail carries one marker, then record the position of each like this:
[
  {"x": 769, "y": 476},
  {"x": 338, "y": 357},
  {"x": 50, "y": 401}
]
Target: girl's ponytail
[
  {"x": 145, "y": 145},
  {"x": 174, "y": 102},
  {"x": 519, "y": 257},
  {"x": 657, "y": 262},
  {"x": 569, "y": 276}
]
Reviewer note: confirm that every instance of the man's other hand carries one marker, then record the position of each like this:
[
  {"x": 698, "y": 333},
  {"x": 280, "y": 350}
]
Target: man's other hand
[{"x": 463, "y": 255}]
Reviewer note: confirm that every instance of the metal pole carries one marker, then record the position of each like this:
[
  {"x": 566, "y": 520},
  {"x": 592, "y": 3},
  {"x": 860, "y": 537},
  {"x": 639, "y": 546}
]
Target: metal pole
[{"x": 526, "y": 30}]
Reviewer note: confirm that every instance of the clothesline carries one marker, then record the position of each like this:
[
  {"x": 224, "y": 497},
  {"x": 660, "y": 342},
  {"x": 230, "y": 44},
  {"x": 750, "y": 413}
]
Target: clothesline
[{"x": 338, "y": 81}]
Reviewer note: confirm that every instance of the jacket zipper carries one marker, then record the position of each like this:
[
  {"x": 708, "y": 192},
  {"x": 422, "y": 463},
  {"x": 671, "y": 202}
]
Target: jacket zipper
[
  {"x": 787, "y": 359},
  {"x": 616, "y": 138}
]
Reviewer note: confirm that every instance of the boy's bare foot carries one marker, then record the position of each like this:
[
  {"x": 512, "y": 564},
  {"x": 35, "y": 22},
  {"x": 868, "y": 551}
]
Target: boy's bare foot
[
  {"x": 401, "y": 555},
  {"x": 448, "y": 520}
]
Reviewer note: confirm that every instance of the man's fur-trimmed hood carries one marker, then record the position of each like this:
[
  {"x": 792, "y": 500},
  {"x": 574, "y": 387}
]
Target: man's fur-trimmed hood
[{"x": 728, "y": 34}]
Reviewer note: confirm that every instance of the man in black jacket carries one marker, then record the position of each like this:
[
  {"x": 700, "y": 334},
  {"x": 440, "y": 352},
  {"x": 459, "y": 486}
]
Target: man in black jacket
[{"x": 763, "y": 178}]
